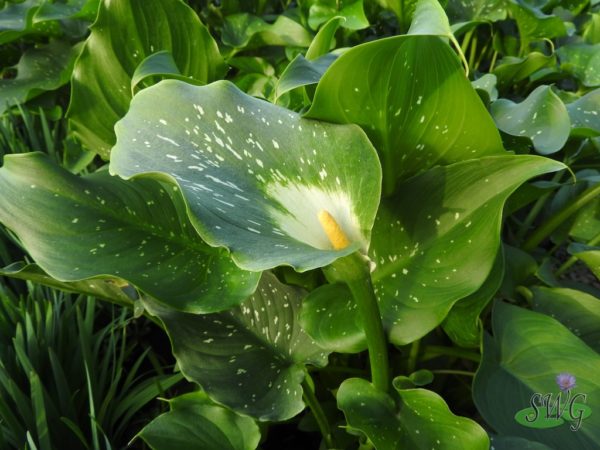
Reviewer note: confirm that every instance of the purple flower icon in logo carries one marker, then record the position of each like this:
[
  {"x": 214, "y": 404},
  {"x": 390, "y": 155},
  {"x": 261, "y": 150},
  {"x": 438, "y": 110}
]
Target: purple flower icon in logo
[{"x": 565, "y": 381}]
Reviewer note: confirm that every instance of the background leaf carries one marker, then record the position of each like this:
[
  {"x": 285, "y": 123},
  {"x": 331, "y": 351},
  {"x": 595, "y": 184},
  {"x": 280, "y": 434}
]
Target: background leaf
[
  {"x": 194, "y": 421},
  {"x": 542, "y": 117},
  {"x": 524, "y": 357},
  {"x": 429, "y": 115},
  {"x": 250, "y": 358},
  {"x": 100, "y": 86},
  {"x": 422, "y": 421},
  {"x": 137, "y": 231},
  {"x": 40, "y": 69}
]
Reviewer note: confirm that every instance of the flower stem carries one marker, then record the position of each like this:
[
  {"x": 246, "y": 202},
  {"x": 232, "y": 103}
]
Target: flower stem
[
  {"x": 555, "y": 221},
  {"x": 311, "y": 400},
  {"x": 354, "y": 271}
]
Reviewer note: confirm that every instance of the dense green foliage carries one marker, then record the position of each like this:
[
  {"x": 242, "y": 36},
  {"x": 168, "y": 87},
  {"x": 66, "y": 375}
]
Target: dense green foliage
[{"x": 361, "y": 224}]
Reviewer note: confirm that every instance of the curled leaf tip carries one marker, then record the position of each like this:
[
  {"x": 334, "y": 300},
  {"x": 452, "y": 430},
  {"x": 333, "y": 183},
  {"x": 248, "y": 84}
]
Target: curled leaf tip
[{"x": 332, "y": 229}]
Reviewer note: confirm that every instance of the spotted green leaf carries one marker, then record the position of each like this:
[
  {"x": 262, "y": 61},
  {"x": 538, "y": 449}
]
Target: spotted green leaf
[
  {"x": 16, "y": 20},
  {"x": 421, "y": 421},
  {"x": 106, "y": 288},
  {"x": 576, "y": 310},
  {"x": 101, "y": 81},
  {"x": 248, "y": 31},
  {"x": 542, "y": 117},
  {"x": 351, "y": 10},
  {"x": 463, "y": 324},
  {"x": 329, "y": 315},
  {"x": 475, "y": 10},
  {"x": 436, "y": 240},
  {"x": 526, "y": 353},
  {"x": 583, "y": 61},
  {"x": 303, "y": 72},
  {"x": 250, "y": 358},
  {"x": 487, "y": 85},
  {"x": 86, "y": 228},
  {"x": 69, "y": 9},
  {"x": 585, "y": 115},
  {"x": 194, "y": 421},
  {"x": 533, "y": 24},
  {"x": 429, "y": 115},
  {"x": 255, "y": 176},
  {"x": 40, "y": 69}
]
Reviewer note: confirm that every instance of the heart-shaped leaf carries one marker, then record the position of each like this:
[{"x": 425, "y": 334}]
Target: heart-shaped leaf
[
  {"x": 83, "y": 228},
  {"x": 101, "y": 80},
  {"x": 436, "y": 240},
  {"x": 422, "y": 421},
  {"x": 329, "y": 315},
  {"x": 352, "y": 11},
  {"x": 585, "y": 115},
  {"x": 576, "y": 310},
  {"x": 411, "y": 96},
  {"x": 528, "y": 351},
  {"x": 40, "y": 69},
  {"x": 194, "y": 421},
  {"x": 246, "y": 31},
  {"x": 250, "y": 358},
  {"x": 541, "y": 117},
  {"x": 255, "y": 176},
  {"x": 583, "y": 61}
]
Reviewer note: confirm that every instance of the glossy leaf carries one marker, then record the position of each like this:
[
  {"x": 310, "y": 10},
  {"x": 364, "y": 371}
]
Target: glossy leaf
[
  {"x": 40, "y": 69},
  {"x": 585, "y": 115},
  {"x": 533, "y": 23},
  {"x": 422, "y": 420},
  {"x": 250, "y": 358},
  {"x": 487, "y": 84},
  {"x": 302, "y": 72},
  {"x": 351, "y": 10},
  {"x": 247, "y": 31},
  {"x": 576, "y": 310},
  {"x": 436, "y": 240},
  {"x": 101, "y": 80},
  {"x": 583, "y": 61},
  {"x": 463, "y": 324},
  {"x": 512, "y": 69},
  {"x": 418, "y": 121},
  {"x": 524, "y": 357},
  {"x": 194, "y": 421},
  {"x": 329, "y": 315},
  {"x": 511, "y": 443},
  {"x": 542, "y": 117},
  {"x": 324, "y": 39},
  {"x": 136, "y": 231},
  {"x": 16, "y": 20},
  {"x": 255, "y": 176},
  {"x": 69, "y": 9},
  {"x": 473, "y": 10}
]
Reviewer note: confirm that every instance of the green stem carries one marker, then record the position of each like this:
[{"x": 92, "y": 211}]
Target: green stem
[
  {"x": 555, "y": 221},
  {"x": 354, "y": 271},
  {"x": 412, "y": 356},
  {"x": 537, "y": 208},
  {"x": 454, "y": 372},
  {"x": 311, "y": 400},
  {"x": 526, "y": 293},
  {"x": 573, "y": 259}
]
